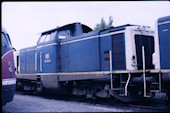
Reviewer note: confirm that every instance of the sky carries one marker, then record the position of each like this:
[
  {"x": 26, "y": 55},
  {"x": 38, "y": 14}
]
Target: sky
[{"x": 24, "y": 21}]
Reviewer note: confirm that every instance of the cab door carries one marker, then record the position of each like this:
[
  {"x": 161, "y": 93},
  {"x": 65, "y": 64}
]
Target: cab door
[
  {"x": 47, "y": 53},
  {"x": 63, "y": 36}
]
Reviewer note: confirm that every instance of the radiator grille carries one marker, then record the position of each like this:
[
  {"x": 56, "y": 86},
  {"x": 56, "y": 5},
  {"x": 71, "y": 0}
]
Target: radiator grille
[{"x": 118, "y": 48}]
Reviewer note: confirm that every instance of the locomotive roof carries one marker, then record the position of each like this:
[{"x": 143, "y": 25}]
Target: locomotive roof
[
  {"x": 123, "y": 26},
  {"x": 57, "y": 28},
  {"x": 163, "y": 19},
  {"x": 118, "y": 28}
]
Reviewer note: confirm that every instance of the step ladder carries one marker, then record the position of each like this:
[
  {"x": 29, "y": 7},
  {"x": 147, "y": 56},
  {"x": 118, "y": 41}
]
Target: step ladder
[
  {"x": 123, "y": 88},
  {"x": 126, "y": 83},
  {"x": 39, "y": 87},
  {"x": 144, "y": 77},
  {"x": 157, "y": 84}
]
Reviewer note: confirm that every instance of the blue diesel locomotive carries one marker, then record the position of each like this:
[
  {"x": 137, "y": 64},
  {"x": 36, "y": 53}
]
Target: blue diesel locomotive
[
  {"x": 163, "y": 38},
  {"x": 73, "y": 59}
]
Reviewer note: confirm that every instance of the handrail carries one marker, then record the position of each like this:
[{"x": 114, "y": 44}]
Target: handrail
[
  {"x": 111, "y": 79},
  {"x": 35, "y": 62},
  {"x": 160, "y": 82},
  {"x": 144, "y": 78},
  {"x": 127, "y": 83},
  {"x": 41, "y": 61}
]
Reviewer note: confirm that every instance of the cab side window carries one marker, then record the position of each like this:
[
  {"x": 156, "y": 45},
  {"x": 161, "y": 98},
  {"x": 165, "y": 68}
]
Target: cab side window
[
  {"x": 5, "y": 46},
  {"x": 47, "y": 37},
  {"x": 64, "y": 34},
  {"x": 4, "y": 41},
  {"x": 42, "y": 38},
  {"x": 8, "y": 38}
]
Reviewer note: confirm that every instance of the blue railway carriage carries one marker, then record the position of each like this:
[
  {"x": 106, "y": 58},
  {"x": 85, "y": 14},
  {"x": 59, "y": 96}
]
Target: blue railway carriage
[
  {"x": 76, "y": 60},
  {"x": 163, "y": 40}
]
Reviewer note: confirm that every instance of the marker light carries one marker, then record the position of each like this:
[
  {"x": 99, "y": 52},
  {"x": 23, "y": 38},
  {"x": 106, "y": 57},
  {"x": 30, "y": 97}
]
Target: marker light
[{"x": 134, "y": 64}]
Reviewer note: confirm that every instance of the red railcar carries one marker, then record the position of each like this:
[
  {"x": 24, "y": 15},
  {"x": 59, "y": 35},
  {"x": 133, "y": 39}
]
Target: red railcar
[{"x": 8, "y": 76}]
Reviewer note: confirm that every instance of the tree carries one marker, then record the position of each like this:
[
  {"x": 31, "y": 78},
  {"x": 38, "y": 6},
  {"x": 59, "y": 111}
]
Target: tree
[
  {"x": 103, "y": 24},
  {"x": 110, "y": 22}
]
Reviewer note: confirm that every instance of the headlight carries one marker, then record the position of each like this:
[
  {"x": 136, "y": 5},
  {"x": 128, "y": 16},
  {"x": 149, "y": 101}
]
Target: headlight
[
  {"x": 134, "y": 64},
  {"x": 10, "y": 69},
  {"x": 10, "y": 63}
]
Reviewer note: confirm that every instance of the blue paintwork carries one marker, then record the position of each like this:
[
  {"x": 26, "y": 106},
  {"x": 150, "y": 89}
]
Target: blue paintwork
[
  {"x": 163, "y": 19},
  {"x": 105, "y": 44},
  {"x": 80, "y": 55},
  {"x": 27, "y": 60},
  {"x": 164, "y": 41},
  {"x": 61, "y": 55},
  {"x": 84, "y": 55}
]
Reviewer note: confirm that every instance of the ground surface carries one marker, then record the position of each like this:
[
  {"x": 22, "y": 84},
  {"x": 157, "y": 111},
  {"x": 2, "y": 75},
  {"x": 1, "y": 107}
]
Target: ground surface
[{"x": 34, "y": 103}]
